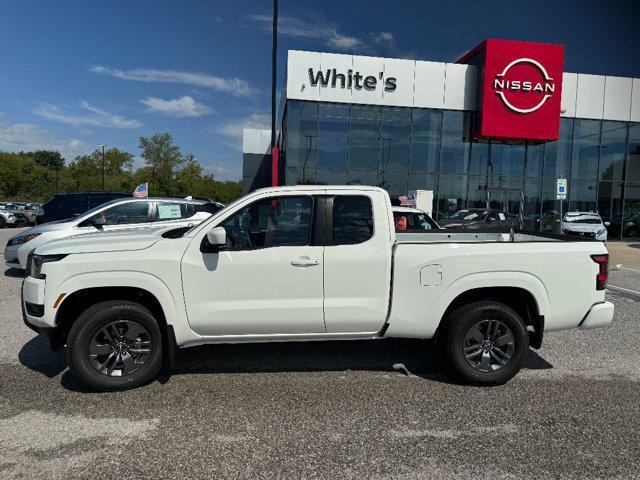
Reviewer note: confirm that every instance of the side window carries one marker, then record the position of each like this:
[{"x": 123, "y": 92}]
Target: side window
[
  {"x": 170, "y": 211},
  {"x": 352, "y": 219},
  {"x": 272, "y": 222},
  {"x": 126, "y": 213}
]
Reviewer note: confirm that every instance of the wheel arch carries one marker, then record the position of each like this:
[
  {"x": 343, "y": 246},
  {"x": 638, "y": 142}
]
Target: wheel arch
[
  {"x": 521, "y": 300},
  {"x": 87, "y": 289}
]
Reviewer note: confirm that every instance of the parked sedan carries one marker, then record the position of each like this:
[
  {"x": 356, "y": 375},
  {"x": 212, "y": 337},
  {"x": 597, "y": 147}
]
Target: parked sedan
[
  {"x": 478, "y": 218},
  {"x": 584, "y": 224},
  {"x": 117, "y": 214}
]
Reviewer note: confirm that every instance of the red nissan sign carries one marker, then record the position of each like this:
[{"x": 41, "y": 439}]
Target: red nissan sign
[{"x": 520, "y": 89}]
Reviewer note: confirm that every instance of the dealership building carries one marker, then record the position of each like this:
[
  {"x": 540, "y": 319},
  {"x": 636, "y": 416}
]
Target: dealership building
[{"x": 496, "y": 129}]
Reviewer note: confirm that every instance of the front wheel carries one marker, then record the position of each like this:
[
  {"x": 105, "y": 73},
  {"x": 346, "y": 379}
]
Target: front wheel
[
  {"x": 115, "y": 345},
  {"x": 486, "y": 343}
]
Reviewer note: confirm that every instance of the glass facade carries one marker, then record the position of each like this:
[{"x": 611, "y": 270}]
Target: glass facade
[{"x": 402, "y": 149}]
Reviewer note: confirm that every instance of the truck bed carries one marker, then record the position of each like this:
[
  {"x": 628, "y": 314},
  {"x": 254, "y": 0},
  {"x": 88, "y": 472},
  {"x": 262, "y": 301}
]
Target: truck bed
[{"x": 484, "y": 236}]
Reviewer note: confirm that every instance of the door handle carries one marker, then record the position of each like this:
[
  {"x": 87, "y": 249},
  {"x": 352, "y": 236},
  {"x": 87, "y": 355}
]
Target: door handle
[{"x": 305, "y": 262}]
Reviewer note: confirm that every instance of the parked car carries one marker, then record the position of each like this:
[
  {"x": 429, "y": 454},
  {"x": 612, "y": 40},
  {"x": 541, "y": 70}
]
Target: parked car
[
  {"x": 408, "y": 218},
  {"x": 478, "y": 218},
  {"x": 27, "y": 211},
  {"x": 309, "y": 263},
  {"x": 64, "y": 206},
  {"x": 8, "y": 217},
  {"x": 122, "y": 214},
  {"x": 584, "y": 224}
]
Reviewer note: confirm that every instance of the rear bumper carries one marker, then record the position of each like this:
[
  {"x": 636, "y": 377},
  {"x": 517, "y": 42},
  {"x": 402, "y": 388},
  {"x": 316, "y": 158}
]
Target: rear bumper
[{"x": 600, "y": 315}]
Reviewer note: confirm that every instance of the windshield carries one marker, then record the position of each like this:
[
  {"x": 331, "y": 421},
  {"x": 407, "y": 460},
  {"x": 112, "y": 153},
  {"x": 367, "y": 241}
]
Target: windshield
[
  {"x": 222, "y": 210},
  {"x": 468, "y": 214},
  {"x": 589, "y": 218}
]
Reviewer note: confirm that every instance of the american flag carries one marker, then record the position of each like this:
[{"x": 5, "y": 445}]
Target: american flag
[
  {"x": 408, "y": 200},
  {"x": 141, "y": 191}
]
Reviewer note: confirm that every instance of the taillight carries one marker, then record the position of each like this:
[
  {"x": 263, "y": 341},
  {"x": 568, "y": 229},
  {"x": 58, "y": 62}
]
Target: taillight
[{"x": 603, "y": 270}]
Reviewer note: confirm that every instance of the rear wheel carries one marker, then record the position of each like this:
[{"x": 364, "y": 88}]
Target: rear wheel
[
  {"x": 2, "y": 225},
  {"x": 115, "y": 345},
  {"x": 486, "y": 343}
]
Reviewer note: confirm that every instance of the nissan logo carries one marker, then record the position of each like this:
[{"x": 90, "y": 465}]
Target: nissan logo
[{"x": 504, "y": 86}]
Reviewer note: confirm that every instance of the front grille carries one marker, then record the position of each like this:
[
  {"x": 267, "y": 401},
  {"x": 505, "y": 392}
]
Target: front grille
[{"x": 581, "y": 234}]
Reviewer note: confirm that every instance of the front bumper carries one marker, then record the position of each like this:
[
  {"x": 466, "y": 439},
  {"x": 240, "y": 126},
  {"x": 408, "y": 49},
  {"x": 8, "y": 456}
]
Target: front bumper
[
  {"x": 600, "y": 315},
  {"x": 34, "y": 315},
  {"x": 11, "y": 257}
]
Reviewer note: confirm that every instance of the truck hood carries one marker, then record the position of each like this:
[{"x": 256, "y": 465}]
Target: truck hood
[
  {"x": 120, "y": 241},
  {"x": 582, "y": 227}
]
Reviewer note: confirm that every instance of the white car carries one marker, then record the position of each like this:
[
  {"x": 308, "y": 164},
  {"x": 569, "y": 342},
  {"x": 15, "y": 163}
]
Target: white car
[
  {"x": 409, "y": 218},
  {"x": 585, "y": 224},
  {"x": 121, "y": 214},
  {"x": 309, "y": 263}
]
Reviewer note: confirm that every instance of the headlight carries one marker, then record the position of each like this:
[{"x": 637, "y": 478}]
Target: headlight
[
  {"x": 35, "y": 263},
  {"x": 22, "y": 239},
  {"x": 601, "y": 232}
]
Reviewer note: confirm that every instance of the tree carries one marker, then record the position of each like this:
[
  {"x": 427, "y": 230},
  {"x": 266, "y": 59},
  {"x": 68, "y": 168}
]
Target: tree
[
  {"x": 164, "y": 158},
  {"x": 84, "y": 173}
]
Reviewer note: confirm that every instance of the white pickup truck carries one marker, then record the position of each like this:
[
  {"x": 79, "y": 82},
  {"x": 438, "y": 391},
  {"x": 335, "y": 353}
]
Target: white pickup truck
[{"x": 309, "y": 263}]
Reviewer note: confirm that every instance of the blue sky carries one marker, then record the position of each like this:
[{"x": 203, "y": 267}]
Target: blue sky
[{"x": 74, "y": 74}]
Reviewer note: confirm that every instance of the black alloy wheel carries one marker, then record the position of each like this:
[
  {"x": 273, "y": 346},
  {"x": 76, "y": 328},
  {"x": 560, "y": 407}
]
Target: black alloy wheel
[
  {"x": 120, "y": 348},
  {"x": 115, "y": 345},
  {"x": 485, "y": 342}
]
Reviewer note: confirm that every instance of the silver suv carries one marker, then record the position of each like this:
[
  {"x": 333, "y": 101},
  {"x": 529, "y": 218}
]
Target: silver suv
[{"x": 120, "y": 214}]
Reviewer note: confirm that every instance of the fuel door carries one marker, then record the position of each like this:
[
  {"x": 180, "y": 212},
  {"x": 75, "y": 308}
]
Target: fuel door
[{"x": 431, "y": 275}]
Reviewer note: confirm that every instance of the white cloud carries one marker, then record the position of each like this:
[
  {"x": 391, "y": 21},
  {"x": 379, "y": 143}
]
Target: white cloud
[
  {"x": 25, "y": 136},
  {"x": 231, "y": 132},
  {"x": 384, "y": 37},
  {"x": 312, "y": 27},
  {"x": 234, "y": 86},
  {"x": 218, "y": 19},
  {"x": 86, "y": 115},
  {"x": 184, "y": 106}
]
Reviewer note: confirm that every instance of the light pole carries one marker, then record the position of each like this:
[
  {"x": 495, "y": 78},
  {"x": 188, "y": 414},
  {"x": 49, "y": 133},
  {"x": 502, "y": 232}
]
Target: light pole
[
  {"x": 274, "y": 52},
  {"x": 102, "y": 146}
]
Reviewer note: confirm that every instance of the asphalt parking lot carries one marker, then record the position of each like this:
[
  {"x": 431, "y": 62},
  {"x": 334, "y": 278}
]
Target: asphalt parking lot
[{"x": 328, "y": 410}]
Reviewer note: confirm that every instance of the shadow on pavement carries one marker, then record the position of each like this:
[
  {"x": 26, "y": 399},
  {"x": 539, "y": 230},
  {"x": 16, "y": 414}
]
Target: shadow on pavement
[
  {"x": 14, "y": 273},
  {"x": 408, "y": 357},
  {"x": 37, "y": 356},
  {"x": 634, "y": 245}
]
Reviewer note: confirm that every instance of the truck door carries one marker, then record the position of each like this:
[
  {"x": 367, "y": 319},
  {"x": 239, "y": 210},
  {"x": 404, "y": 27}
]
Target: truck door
[
  {"x": 357, "y": 262},
  {"x": 268, "y": 279}
]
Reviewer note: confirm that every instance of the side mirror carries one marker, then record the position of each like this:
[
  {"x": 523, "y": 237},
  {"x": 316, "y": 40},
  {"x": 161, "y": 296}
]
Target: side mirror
[
  {"x": 216, "y": 238},
  {"x": 98, "y": 222},
  {"x": 607, "y": 224}
]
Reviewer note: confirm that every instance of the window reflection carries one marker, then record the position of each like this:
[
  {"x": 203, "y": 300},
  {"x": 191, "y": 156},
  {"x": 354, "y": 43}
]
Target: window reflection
[
  {"x": 333, "y": 136},
  {"x": 633, "y": 158},
  {"x": 425, "y": 140},
  {"x": 394, "y": 139},
  {"x": 363, "y": 137},
  {"x": 557, "y": 155},
  {"x": 612, "y": 150},
  {"x": 454, "y": 152},
  {"x": 584, "y": 162}
]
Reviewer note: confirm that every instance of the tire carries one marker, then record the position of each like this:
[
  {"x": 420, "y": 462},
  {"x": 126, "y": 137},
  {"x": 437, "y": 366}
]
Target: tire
[
  {"x": 486, "y": 343},
  {"x": 115, "y": 345},
  {"x": 2, "y": 225}
]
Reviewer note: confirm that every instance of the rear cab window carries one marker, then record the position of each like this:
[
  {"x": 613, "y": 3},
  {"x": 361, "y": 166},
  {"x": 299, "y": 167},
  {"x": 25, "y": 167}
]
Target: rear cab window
[{"x": 352, "y": 219}]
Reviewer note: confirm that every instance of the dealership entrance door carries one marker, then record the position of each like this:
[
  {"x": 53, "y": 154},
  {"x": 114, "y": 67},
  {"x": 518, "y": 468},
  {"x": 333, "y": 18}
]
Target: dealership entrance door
[{"x": 510, "y": 201}]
